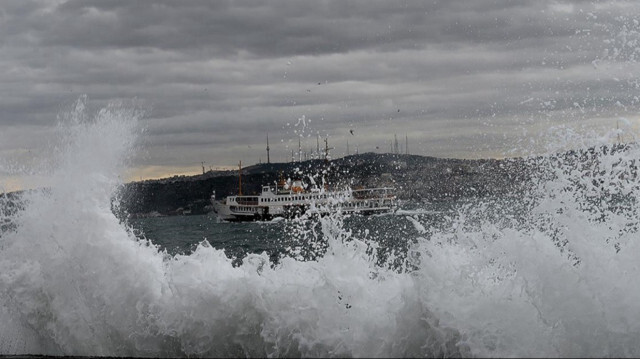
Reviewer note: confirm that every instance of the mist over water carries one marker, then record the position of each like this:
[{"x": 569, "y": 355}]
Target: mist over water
[{"x": 551, "y": 271}]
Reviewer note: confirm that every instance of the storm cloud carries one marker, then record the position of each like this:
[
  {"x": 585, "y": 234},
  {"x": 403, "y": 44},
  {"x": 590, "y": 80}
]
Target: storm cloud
[{"x": 457, "y": 78}]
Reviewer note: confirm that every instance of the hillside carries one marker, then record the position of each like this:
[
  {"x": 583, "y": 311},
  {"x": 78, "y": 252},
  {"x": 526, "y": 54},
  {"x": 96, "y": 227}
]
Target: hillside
[{"x": 414, "y": 177}]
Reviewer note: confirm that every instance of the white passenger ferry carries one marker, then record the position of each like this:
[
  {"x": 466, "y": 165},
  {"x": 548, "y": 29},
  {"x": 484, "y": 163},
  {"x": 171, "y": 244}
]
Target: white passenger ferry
[{"x": 290, "y": 200}]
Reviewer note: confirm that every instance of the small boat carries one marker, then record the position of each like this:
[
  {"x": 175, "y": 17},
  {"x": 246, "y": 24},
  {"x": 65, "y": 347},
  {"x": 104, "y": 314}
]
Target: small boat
[{"x": 291, "y": 199}]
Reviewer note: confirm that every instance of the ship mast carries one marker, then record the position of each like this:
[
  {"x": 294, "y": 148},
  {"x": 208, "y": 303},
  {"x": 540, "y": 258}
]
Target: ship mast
[{"x": 240, "y": 178}]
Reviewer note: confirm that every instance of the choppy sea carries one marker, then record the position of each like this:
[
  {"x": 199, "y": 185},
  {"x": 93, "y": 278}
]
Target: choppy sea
[
  {"x": 279, "y": 238},
  {"x": 549, "y": 272}
]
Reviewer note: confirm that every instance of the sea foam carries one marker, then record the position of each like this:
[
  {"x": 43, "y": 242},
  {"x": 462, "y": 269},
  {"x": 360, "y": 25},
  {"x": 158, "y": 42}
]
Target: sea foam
[{"x": 548, "y": 272}]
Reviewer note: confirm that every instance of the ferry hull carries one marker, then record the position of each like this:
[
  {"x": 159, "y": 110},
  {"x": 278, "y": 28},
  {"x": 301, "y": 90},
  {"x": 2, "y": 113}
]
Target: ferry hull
[{"x": 227, "y": 213}]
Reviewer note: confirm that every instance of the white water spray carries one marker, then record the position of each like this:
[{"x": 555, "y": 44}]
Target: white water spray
[
  {"x": 74, "y": 280},
  {"x": 551, "y": 273}
]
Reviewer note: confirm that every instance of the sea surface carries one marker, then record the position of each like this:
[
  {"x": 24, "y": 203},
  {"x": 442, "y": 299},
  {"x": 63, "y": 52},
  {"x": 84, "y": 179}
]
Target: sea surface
[
  {"x": 278, "y": 238},
  {"x": 551, "y": 271}
]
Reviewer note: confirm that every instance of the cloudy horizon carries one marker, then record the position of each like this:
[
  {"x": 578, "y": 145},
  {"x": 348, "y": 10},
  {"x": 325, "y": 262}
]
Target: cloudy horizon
[{"x": 461, "y": 79}]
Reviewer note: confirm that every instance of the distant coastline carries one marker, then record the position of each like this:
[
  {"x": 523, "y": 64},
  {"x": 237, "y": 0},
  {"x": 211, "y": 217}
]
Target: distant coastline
[{"x": 414, "y": 177}]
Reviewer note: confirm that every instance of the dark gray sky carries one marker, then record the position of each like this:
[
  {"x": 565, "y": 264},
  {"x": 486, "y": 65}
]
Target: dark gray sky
[{"x": 465, "y": 79}]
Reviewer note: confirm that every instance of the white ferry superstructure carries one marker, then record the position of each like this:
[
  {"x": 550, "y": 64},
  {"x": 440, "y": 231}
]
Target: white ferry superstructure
[{"x": 290, "y": 200}]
